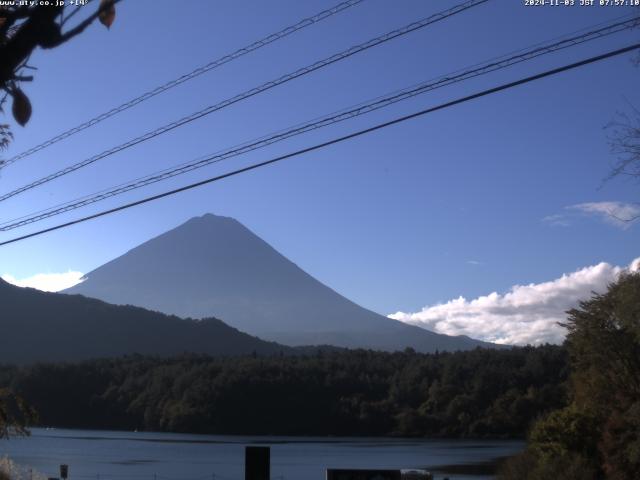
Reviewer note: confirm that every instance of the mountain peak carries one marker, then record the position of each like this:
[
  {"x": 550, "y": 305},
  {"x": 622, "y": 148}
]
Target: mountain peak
[
  {"x": 211, "y": 217},
  {"x": 213, "y": 266}
]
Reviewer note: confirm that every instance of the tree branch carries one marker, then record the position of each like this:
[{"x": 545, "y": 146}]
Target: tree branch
[{"x": 78, "y": 29}]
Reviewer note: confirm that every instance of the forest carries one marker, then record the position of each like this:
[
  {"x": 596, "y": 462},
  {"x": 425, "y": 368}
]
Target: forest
[
  {"x": 578, "y": 404},
  {"x": 478, "y": 393}
]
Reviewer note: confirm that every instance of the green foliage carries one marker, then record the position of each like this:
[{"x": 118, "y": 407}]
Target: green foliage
[
  {"x": 598, "y": 434},
  {"x": 480, "y": 393},
  {"x": 532, "y": 466},
  {"x": 15, "y": 414},
  {"x": 565, "y": 431},
  {"x": 604, "y": 345}
]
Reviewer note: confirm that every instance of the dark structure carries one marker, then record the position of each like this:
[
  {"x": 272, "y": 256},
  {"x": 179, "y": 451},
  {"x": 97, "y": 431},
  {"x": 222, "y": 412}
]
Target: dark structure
[{"x": 257, "y": 463}]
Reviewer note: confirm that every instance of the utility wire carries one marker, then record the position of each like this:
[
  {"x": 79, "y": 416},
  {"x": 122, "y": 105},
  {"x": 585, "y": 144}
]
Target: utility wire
[
  {"x": 361, "y": 109},
  {"x": 254, "y": 91},
  {"x": 334, "y": 141},
  {"x": 306, "y": 22}
]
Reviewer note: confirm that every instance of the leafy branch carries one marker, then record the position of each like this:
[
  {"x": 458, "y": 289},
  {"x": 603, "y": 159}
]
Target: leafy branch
[
  {"x": 25, "y": 28},
  {"x": 15, "y": 414}
]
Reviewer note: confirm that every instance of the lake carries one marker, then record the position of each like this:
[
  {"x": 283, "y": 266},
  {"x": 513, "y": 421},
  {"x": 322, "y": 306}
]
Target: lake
[{"x": 107, "y": 455}]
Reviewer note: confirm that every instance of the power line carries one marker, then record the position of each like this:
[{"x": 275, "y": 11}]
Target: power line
[
  {"x": 250, "y": 93},
  {"x": 361, "y": 109},
  {"x": 334, "y": 141},
  {"x": 306, "y": 22}
]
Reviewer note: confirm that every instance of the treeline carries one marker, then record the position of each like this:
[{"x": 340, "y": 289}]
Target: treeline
[{"x": 479, "y": 393}]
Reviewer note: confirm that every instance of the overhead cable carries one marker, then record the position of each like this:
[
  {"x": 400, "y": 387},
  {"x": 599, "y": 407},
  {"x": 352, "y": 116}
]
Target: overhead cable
[
  {"x": 361, "y": 109},
  {"x": 250, "y": 93},
  {"x": 334, "y": 141}
]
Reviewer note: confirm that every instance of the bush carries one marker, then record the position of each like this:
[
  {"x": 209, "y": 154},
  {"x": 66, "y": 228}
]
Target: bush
[
  {"x": 9, "y": 470},
  {"x": 533, "y": 466}
]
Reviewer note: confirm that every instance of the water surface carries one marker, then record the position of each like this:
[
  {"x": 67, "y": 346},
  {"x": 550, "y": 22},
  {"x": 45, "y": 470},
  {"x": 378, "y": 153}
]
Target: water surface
[{"x": 110, "y": 455}]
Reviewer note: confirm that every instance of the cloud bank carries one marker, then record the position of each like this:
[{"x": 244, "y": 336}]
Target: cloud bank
[
  {"x": 526, "y": 314},
  {"x": 47, "y": 282}
]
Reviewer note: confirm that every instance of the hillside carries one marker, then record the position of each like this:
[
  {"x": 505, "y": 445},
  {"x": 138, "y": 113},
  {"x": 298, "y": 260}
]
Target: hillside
[{"x": 37, "y": 326}]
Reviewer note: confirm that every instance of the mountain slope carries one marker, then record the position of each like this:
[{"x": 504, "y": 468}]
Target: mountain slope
[
  {"x": 37, "y": 326},
  {"x": 214, "y": 266}
]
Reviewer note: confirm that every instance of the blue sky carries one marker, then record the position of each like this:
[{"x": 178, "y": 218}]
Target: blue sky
[{"x": 464, "y": 202}]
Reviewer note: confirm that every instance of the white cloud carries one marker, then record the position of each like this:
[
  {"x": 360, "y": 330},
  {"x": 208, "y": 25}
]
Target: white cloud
[
  {"x": 47, "y": 282},
  {"x": 619, "y": 214},
  {"x": 557, "y": 220},
  {"x": 526, "y": 314}
]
